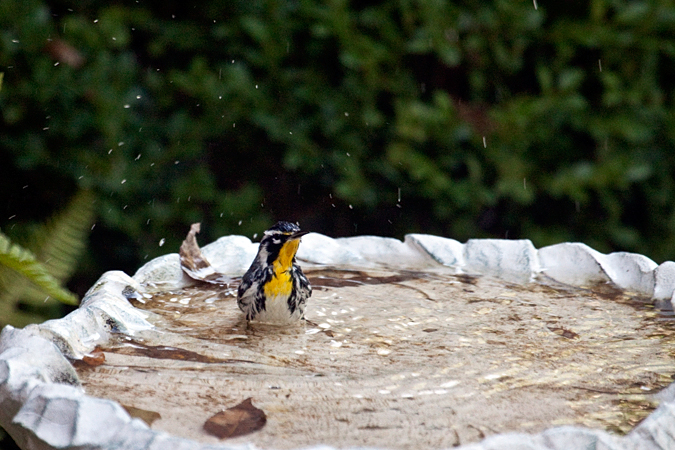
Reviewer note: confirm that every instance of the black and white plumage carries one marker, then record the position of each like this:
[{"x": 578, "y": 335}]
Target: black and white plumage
[{"x": 274, "y": 289}]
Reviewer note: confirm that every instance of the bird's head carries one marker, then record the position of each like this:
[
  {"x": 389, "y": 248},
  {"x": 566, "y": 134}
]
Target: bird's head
[{"x": 280, "y": 243}]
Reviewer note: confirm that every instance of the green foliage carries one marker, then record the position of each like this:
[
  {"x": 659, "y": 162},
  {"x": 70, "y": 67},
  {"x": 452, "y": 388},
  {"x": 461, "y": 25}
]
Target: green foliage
[
  {"x": 30, "y": 281},
  {"x": 466, "y": 119}
]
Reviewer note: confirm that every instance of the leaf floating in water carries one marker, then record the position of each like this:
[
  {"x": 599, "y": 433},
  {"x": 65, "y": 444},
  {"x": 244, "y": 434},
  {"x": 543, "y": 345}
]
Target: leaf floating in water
[
  {"x": 193, "y": 262},
  {"x": 236, "y": 421},
  {"x": 143, "y": 414}
]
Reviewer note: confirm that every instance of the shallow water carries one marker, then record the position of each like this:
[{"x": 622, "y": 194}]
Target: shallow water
[{"x": 398, "y": 359}]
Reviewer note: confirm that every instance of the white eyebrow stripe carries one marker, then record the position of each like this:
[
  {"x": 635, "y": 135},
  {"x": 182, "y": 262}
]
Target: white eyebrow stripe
[{"x": 271, "y": 232}]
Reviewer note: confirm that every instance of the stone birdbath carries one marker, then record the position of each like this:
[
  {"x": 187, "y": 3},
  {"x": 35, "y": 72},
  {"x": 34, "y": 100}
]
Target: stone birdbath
[{"x": 427, "y": 343}]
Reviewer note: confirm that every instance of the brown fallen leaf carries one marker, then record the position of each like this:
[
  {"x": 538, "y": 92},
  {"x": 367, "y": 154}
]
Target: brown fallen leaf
[
  {"x": 193, "y": 262},
  {"x": 236, "y": 421},
  {"x": 95, "y": 358},
  {"x": 143, "y": 414}
]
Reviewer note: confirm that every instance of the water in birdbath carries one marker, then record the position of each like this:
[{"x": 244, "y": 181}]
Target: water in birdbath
[{"x": 394, "y": 359}]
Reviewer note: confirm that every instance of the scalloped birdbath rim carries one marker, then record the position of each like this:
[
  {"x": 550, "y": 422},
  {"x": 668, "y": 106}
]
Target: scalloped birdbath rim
[{"x": 43, "y": 406}]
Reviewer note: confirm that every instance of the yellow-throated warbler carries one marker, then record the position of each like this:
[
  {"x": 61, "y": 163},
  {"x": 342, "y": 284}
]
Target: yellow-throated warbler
[{"x": 274, "y": 289}]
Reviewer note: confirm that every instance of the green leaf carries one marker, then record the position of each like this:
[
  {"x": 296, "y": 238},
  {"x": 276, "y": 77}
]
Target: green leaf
[
  {"x": 24, "y": 262},
  {"x": 32, "y": 276},
  {"x": 65, "y": 236}
]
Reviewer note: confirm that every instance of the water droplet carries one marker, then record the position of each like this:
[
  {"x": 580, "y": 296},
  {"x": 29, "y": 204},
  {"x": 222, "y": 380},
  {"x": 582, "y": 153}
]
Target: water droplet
[{"x": 161, "y": 242}]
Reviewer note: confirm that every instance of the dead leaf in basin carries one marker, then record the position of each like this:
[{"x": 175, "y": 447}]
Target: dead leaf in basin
[
  {"x": 95, "y": 358},
  {"x": 146, "y": 416},
  {"x": 195, "y": 264},
  {"x": 236, "y": 421}
]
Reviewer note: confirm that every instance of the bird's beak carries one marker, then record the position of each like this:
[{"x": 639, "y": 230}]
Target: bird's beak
[{"x": 297, "y": 235}]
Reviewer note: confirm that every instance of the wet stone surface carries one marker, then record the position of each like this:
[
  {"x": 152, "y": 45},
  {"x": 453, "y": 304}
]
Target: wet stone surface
[{"x": 396, "y": 360}]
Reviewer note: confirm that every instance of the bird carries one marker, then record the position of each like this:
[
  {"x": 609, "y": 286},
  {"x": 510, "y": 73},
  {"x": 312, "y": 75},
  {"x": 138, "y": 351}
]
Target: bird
[{"x": 274, "y": 289}]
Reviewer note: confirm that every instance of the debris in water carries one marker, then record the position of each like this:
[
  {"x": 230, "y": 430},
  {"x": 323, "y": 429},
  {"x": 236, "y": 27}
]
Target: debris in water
[
  {"x": 236, "y": 421},
  {"x": 146, "y": 416},
  {"x": 193, "y": 262}
]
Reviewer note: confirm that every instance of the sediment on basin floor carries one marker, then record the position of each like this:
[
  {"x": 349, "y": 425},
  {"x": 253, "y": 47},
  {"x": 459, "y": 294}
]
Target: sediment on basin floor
[{"x": 438, "y": 358}]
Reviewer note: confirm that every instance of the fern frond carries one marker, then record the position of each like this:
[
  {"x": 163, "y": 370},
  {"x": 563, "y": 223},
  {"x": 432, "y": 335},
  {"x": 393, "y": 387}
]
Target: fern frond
[
  {"x": 24, "y": 262},
  {"x": 65, "y": 236}
]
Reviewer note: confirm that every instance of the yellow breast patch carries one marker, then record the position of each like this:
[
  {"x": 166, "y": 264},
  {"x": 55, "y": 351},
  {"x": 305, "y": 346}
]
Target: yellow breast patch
[{"x": 281, "y": 283}]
